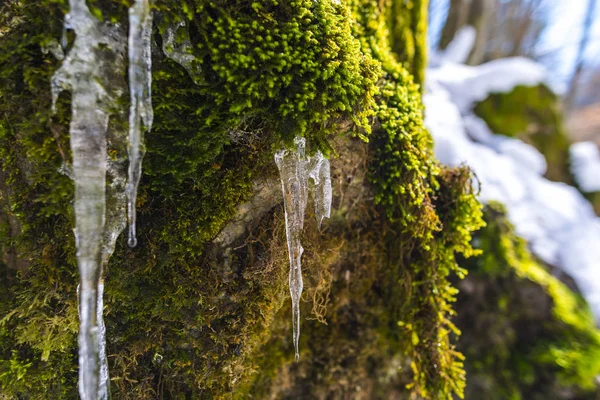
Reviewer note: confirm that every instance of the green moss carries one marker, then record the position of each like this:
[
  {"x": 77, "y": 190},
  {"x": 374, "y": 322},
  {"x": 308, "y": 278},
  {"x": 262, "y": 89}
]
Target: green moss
[
  {"x": 407, "y": 24},
  {"x": 385, "y": 325},
  {"x": 535, "y": 336},
  {"x": 185, "y": 320},
  {"x": 430, "y": 213},
  {"x": 532, "y": 114}
]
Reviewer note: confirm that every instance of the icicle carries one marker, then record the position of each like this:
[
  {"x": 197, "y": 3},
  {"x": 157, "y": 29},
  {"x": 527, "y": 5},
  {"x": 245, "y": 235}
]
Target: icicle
[
  {"x": 140, "y": 82},
  {"x": 104, "y": 386},
  {"x": 320, "y": 172},
  {"x": 86, "y": 71},
  {"x": 181, "y": 51},
  {"x": 295, "y": 169}
]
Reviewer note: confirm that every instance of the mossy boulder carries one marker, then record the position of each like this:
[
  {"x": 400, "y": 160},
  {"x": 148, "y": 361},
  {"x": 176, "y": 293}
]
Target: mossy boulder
[
  {"x": 200, "y": 308},
  {"x": 526, "y": 334},
  {"x": 532, "y": 114}
]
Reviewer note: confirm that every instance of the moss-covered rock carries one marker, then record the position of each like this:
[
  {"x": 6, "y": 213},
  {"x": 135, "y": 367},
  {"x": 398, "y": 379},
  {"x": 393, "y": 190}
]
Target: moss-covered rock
[
  {"x": 526, "y": 334},
  {"x": 189, "y": 316},
  {"x": 532, "y": 114}
]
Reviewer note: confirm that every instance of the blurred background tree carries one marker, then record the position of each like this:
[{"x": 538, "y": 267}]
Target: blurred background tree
[{"x": 564, "y": 36}]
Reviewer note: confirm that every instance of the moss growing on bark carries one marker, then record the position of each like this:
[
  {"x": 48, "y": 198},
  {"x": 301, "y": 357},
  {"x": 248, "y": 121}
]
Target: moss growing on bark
[{"x": 190, "y": 319}]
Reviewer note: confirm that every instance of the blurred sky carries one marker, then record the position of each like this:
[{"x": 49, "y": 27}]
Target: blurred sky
[{"x": 561, "y": 39}]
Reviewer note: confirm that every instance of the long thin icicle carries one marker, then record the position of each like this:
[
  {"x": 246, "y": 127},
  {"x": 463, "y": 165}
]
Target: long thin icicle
[
  {"x": 295, "y": 169},
  {"x": 104, "y": 385},
  {"x": 140, "y": 89},
  {"x": 86, "y": 72}
]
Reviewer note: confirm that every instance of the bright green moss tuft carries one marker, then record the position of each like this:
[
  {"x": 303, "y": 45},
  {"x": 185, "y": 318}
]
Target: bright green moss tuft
[
  {"x": 293, "y": 64},
  {"x": 431, "y": 214},
  {"x": 407, "y": 24}
]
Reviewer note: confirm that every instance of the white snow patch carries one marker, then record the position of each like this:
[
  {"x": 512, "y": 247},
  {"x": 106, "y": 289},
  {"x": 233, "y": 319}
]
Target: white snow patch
[
  {"x": 585, "y": 165},
  {"x": 469, "y": 85}
]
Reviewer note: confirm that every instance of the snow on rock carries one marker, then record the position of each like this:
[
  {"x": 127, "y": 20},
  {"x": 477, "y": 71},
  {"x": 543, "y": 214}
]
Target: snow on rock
[
  {"x": 459, "y": 49},
  {"x": 557, "y": 221},
  {"x": 468, "y": 84},
  {"x": 585, "y": 165},
  {"x": 580, "y": 255}
]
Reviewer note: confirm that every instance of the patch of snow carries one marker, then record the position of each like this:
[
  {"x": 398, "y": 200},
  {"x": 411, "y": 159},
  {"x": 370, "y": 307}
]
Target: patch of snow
[
  {"x": 585, "y": 165},
  {"x": 469, "y": 85}
]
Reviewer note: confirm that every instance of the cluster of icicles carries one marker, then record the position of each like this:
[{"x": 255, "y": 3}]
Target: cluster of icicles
[
  {"x": 295, "y": 168},
  {"x": 88, "y": 71}
]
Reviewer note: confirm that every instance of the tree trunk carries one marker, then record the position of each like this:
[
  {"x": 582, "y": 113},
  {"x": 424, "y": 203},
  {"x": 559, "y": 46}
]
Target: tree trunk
[
  {"x": 476, "y": 13},
  {"x": 580, "y": 59},
  {"x": 480, "y": 17},
  {"x": 458, "y": 14}
]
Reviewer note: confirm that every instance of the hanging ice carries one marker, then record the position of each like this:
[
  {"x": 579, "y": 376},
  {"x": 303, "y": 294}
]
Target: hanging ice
[
  {"x": 103, "y": 388},
  {"x": 54, "y": 48},
  {"x": 104, "y": 385},
  {"x": 180, "y": 50},
  {"x": 320, "y": 173},
  {"x": 85, "y": 72},
  {"x": 295, "y": 169},
  {"x": 140, "y": 82},
  {"x": 91, "y": 71}
]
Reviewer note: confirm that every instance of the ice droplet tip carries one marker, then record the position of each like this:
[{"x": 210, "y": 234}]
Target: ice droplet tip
[{"x": 132, "y": 242}]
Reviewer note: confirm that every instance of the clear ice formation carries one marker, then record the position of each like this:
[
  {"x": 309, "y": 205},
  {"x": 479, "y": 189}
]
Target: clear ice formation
[
  {"x": 86, "y": 72},
  {"x": 294, "y": 169},
  {"x": 181, "y": 50},
  {"x": 91, "y": 71},
  {"x": 140, "y": 83},
  {"x": 320, "y": 173},
  {"x": 104, "y": 385},
  {"x": 54, "y": 48}
]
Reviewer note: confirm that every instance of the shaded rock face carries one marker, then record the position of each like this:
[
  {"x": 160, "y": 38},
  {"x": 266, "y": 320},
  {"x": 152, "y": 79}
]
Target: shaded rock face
[{"x": 526, "y": 334}]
